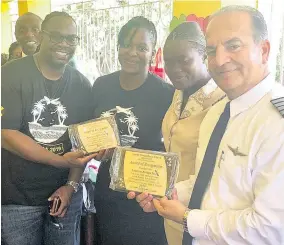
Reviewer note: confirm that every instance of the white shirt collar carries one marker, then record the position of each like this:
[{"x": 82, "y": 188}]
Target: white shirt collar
[{"x": 251, "y": 97}]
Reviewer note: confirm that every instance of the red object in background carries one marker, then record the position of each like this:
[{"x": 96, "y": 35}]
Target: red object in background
[
  {"x": 158, "y": 68},
  {"x": 203, "y": 22},
  {"x": 93, "y": 167}
]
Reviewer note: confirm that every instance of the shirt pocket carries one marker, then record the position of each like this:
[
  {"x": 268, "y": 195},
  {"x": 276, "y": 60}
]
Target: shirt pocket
[{"x": 234, "y": 171}]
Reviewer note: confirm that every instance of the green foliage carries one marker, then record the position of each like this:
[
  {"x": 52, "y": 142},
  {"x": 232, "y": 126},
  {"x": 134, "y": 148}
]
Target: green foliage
[{"x": 177, "y": 21}]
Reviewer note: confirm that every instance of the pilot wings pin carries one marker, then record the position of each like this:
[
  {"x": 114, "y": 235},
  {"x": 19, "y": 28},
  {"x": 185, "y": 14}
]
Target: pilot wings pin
[{"x": 236, "y": 151}]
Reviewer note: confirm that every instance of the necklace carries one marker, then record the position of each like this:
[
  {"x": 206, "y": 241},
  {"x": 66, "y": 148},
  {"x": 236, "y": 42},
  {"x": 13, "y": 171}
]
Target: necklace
[{"x": 50, "y": 96}]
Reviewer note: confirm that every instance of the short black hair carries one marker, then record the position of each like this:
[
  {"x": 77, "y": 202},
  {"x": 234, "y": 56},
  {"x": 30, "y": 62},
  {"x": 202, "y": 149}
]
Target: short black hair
[
  {"x": 12, "y": 47},
  {"x": 137, "y": 23},
  {"x": 259, "y": 26},
  {"x": 191, "y": 32},
  {"x": 52, "y": 15}
]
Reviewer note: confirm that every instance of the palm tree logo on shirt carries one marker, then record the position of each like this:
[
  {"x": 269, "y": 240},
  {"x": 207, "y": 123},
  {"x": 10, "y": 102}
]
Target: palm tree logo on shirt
[
  {"x": 61, "y": 113},
  {"x": 125, "y": 116},
  {"x": 37, "y": 110},
  {"x": 131, "y": 122},
  {"x": 52, "y": 132}
]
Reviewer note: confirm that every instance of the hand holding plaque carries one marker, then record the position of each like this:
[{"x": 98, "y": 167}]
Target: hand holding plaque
[
  {"x": 94, "y": 135},
  {"x": 144, "y": 171}
]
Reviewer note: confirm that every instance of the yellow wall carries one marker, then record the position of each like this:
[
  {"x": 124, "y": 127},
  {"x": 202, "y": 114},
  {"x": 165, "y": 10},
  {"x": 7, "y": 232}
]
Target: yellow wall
[
  {"x": 199, "y": 8},
  {"x": 6, "y": 28},
  {"x": 39, "y": 7},
  {"x": 203, "y": 8},
  {"x": 22, "y": 7},
  {"x": 252, "y": 3}
]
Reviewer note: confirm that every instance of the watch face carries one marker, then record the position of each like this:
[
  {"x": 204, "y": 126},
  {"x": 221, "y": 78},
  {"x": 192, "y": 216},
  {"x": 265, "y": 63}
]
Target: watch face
[
  {"x": 75, "y": 189},
  {"x": 74, "y": 185}
]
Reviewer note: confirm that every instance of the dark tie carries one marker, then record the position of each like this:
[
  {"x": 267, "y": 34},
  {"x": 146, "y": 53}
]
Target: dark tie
[{"x": 207, "y": 167}]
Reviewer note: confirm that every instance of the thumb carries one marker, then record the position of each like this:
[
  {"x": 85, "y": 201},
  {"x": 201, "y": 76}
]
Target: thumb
[
  {"x": 164, "y": 202},
  {"x": 157, "y": 205},
  {"x": 51, "y": 198},
  {"x": 131, "y": 195},
  {"x": 90, "y": 157},
  {"x": 174, "y": 194}
]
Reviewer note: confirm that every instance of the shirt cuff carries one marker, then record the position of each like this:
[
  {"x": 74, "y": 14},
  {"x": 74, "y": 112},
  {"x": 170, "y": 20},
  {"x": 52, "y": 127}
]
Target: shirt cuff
[{"x": 197, "y": 222}]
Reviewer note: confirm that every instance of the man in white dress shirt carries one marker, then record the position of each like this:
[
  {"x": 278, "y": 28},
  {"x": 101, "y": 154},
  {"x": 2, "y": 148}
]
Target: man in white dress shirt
[{"x": 243, "y": 203}]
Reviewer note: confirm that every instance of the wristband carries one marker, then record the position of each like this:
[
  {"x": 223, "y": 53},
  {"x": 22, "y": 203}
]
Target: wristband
[
  {"x": 74, "y": 184},
  {"x": 184, "y": 220}
]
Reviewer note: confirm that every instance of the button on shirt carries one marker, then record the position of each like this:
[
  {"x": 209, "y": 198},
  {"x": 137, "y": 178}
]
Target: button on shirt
[{"x": 244, "y": 203}]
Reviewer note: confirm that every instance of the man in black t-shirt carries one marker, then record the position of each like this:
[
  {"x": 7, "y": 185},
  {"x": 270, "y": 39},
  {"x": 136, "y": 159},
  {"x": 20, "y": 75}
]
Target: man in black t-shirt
[{"x": 41, "y": 96}]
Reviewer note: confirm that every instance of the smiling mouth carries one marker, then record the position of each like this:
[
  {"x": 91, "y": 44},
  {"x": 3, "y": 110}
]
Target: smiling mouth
[
  {"x": 130, "y": 62},
  {"x": 225, "y": 72},
  {"x": 31, "y": 43},
  {"x": 61, "y": 54},
  {"x": 178, "y": 79}
]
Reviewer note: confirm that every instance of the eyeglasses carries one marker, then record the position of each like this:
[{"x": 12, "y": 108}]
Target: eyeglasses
[{"x": 54, "y": 37}]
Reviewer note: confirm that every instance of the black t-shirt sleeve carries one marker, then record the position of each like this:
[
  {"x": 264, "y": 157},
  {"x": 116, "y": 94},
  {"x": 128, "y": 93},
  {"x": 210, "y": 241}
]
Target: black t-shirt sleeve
[
  {"x": 169, "y": 94},
  {"x": 83, "y": 90},
  {"x": 96, "y": 91},
  {"x": 12, "y": 114},
  {"x": 89, "y": 101},
  {"x": 165, "y": 95}
]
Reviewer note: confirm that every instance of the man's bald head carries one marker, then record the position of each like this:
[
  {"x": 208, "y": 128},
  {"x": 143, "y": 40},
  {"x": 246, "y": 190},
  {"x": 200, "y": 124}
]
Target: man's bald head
[
  {"x": 27, "y": 32},
  {"x": 26, "y": 15}
]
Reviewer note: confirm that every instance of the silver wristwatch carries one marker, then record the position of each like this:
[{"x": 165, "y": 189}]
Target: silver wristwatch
[{"x": 74, "y": 184}]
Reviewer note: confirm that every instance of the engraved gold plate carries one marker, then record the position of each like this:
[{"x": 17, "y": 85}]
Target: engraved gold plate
[
  {"x": 94, "y": 135},
  {"x": 144, "y": 171}
]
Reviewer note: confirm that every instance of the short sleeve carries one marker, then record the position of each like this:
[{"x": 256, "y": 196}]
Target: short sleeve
[
  {"x": 165, "y": 96},
  {"x": 96, "y": 90},
  {"x": 170, "y": 95},
  {"x": 88, "y": 101},
  {"x": 11, "y": 92}
]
